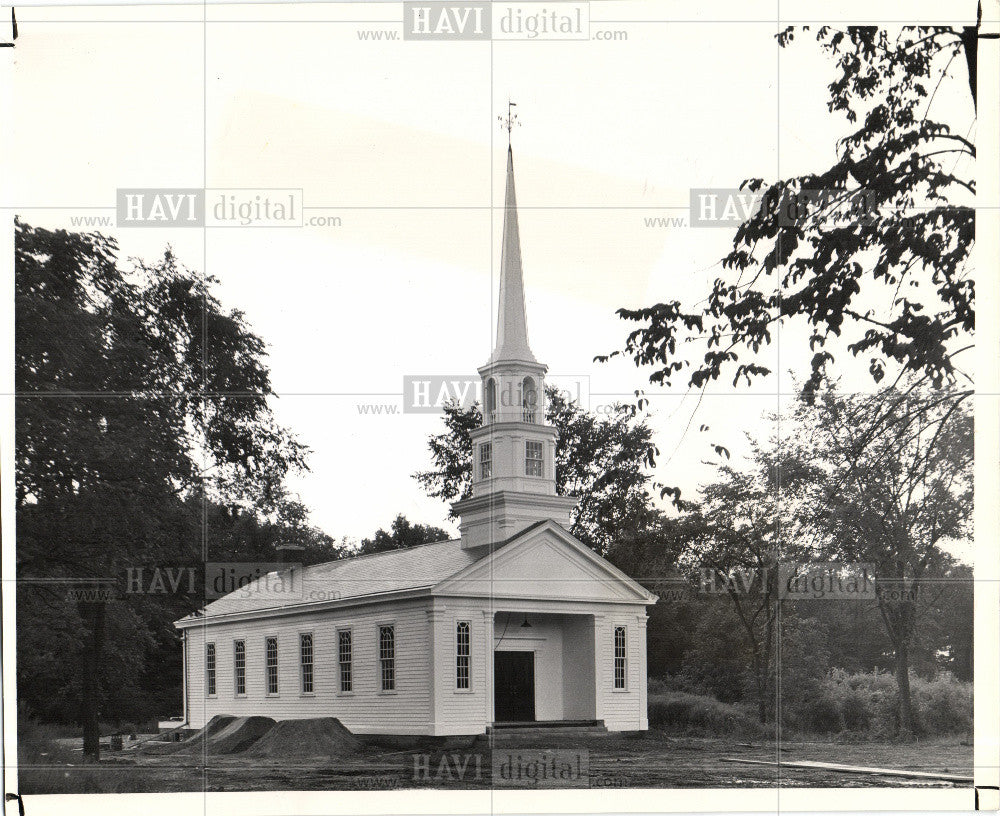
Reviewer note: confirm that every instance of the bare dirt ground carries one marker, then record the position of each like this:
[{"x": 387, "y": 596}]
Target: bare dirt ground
[{"x": 653, "y": 760}]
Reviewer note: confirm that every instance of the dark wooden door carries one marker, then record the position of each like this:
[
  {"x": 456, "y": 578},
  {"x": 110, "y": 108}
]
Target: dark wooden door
[{"x": 514, "y": 686}]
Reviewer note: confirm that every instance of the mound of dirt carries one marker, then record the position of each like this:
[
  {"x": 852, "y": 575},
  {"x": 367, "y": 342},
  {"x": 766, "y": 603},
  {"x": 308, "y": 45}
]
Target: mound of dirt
[
  {"x": 234, "y": 737},
  {"x": 196, "y": 741},
  {"x": 320, "y": 737}
]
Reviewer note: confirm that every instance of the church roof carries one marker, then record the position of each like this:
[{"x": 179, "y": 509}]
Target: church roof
[
  {"x": 413, "y": 568},
  {"x": 428, "y": 566}
]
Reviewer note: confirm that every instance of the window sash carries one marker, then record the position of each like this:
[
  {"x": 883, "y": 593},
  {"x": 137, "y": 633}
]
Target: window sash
[
  {"x": 463, "y": 648},
  {"x": 533, "y": 459},
  {"x": 491, "y": 399},
  {"x": 239, "y": 667},
  {"x": 271, "y": 664},
  {"x": 210, "y": 669},
  {"x": 387, "y": 657},
  {"x": 345, "y": 659},
  {"x": 620, "y": 658},
  {"x": 306, "y": 661},
  {"x": 485, "y": 460}
]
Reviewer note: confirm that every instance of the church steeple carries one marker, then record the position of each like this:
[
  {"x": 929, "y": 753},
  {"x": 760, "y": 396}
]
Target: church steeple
[
  {"x": 514, "y": 451},
  {"x": 512, "y": 323}
]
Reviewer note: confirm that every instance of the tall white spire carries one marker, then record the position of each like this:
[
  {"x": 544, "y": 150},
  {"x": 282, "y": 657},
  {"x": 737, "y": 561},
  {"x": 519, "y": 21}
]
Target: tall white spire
[
  {"x": 514, "y": 450},
  {"x": 512, "y": 324}
]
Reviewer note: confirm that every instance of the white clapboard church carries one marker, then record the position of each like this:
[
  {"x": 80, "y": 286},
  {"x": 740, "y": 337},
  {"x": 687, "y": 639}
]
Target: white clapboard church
[{"x": 514, "y": 622}]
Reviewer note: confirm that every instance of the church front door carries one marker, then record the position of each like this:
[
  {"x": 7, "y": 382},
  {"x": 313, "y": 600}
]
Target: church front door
[{"x": 514, "y": 686}]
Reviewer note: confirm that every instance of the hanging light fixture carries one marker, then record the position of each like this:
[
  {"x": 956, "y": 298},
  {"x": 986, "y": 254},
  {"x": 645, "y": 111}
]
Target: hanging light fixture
[{"x": 525, "y": 625}]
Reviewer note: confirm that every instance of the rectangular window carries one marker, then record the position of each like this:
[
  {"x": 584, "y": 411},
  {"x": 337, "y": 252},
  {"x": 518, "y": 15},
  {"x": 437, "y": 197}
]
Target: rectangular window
[
  {"x": 485, "y": 460},
  {"x": 620, "y": 657},
  {"x": 387, "y": 657},
  {"x": 344, "y": 658},
  {"x": 306, "y": 661},
  {"x": 239, "y": 667},
  {"x": 533, "y": 459},
  {"x": 462, "y": 646},
  {"x": 271, "y": 664},
  {"x": 210, "y": 669}
]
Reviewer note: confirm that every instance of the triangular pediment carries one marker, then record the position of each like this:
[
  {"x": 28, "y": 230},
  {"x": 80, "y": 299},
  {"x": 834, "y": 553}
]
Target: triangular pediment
[{"x": 545, "y": 562}]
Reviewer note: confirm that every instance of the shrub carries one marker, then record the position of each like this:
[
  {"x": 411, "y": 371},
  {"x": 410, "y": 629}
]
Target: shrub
[
  {"x": 823, "y": 716},
  {"x": 700, "y": 714},
  {"x": 863, "y": 706},
  {"x": 942, "y": 705},
  {"x": 654, "y": 685},
  {"x": 868, "y": 703},
  {"x": 855, "y": 713}
]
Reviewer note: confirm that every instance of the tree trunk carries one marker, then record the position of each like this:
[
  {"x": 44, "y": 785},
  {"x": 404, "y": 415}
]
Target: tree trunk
[
  {"x": 94, "y": 614},
  {"x": 770, "y": 688},
  {"x": 970, "y": 35},
  {"x": 906, "y": 724},
  {"x": 760, "y": 682},
  {"x": 970, "y": 44}
]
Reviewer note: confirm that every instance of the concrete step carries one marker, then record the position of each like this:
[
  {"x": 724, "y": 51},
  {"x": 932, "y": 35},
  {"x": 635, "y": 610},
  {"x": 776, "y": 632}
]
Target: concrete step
[
  {"x": 542, "y": 725},
  {"x": 512, "y": 741},
  {"x": 559, "y": 732},
  {"x": 514, "y": 732}
]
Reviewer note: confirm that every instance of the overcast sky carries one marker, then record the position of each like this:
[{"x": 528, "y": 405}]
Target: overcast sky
[{"x": 401, "y": 141}]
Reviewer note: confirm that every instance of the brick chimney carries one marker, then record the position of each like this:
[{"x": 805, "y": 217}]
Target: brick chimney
[{"x": 289, "y": 553}]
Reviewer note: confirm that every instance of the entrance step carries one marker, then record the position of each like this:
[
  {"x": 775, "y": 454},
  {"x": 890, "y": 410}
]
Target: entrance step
[
  {"x": 506, "y": 726},
  {"x": 539, "y": 733},
  {"x": 544, "y": 726}
]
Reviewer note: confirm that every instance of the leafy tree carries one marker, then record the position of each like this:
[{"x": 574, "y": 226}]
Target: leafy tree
[
  {"x": 896, "y": 486},
  {"x": 733, "y": 547},
  {"x": 238, "y": 534},
  {"x": 880, "y": 479},
  {"x": 718, "y": 662},
  {"x": 869, "y": 256},
  {"x": 403, "y": 534},
  {"x": 872, "y": 251},
  {"x": 605, "y": 462},
  {"x": 139, "y": 397},
  {"x": 451, "y": 453},
  {"x": 946, "y": 637},
  {"x": 804, "y": 659},
  {"x": 651, "y": 555}
]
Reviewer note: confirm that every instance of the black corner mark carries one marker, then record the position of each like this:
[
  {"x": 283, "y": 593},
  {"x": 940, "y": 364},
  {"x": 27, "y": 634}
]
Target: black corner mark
[
  {"x": 977, "y": 788},
  {"x": 13, "y": 28},
  {"x": 9, "y": 797}
]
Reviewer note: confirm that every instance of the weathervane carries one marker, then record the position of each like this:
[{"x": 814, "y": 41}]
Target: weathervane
[{"x": 510, "y": 121}]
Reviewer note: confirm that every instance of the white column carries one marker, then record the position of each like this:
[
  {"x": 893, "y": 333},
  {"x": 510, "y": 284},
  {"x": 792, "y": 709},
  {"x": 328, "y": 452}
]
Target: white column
[
  {"x": 488, "y": 646},
  {"x": 434, "y": 616},
  {"x": 599, "y": 690},
  {"x": 184, "y": 675},
  {"x": 643, "y": 681}
]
